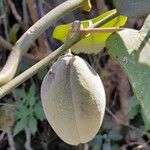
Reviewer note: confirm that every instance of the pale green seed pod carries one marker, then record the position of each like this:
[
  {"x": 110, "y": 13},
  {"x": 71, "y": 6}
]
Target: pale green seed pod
[{"x": 73, "y": 99}]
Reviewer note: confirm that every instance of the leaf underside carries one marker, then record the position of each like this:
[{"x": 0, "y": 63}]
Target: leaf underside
[{"x": 131, "y": 49}]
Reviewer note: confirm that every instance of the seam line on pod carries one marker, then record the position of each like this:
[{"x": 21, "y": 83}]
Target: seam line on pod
[{"x": 70, "y": 62}]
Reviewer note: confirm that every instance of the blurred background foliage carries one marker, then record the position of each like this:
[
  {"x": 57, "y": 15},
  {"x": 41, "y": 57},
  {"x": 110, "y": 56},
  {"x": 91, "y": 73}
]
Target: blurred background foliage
[{"x": 22, "y": 121}]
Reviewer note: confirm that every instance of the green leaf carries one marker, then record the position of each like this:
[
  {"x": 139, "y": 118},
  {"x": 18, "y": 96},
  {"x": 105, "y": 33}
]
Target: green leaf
[
  {"x": 96, "y": 41},
  {"x": 20, "y": 93},
  {"x": 86, "y": 6},
  {"x": 133, "y": 102},
  {"x": 134, "y": 107},
  {"x": 131, "y": 49},
  {"x": 22, "y": 109},
  {"x": 146, "y": 123},
  {"x": 31, "y": 96},
  {"x": 133, "y": 8},
  {"x": 39, "y": 113},
  {"x": 133, "y": 112},
  {"x": 22, "y": 113},
  {"x": 32, "y": 124},
  {"x": 41, "y": 74},
  {"x": 20, "y": 125},
  {"x": 13, "y": 33}
]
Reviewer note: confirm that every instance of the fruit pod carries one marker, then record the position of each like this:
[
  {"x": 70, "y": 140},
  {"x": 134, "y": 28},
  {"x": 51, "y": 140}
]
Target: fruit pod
[{"x": 73, "y": 99}]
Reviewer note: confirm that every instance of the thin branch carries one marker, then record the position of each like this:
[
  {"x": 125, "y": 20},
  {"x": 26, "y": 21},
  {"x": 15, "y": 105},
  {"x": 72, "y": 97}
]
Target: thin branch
[
  {"x": 28, "y": 139},
  {"x": 41, "y": 64},
  {"x": 25, "y": 18},
  {"x": 101, "y": 30},
  {"x": 125, "y": 124},
  {"x": 101, "y": 6},
  {"x": 5, "y": 44},
  {"x": 14, "y": 11},
  {"x": 142, "y": 146},
  {"x": 32, "y": 10},
  {"x": 10, "y": 139},
  {"x": 8, "y": 46},
  {"x": 41, "y": 49},
  {"x": 23, "y": 44},
  {"x": 2, "y": 135},
  {"x": 3, "y": 11},
  {"x": 46, "y": 4}
]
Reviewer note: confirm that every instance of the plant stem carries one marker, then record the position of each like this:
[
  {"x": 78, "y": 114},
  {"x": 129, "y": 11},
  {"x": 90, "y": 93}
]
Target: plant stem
[
  {"x": 97, "y": 30},
  {"x": 39, "y": 66},
  {"x": 2, "y": 135},
  {"x": 46, "y": 61},
  {"x": 126, "y": 124},
  {"x": 28, "y": 139},
  {"x": 5, "y": 44},
  {"x": 10, "y": 139},
  {"x": 8, "y": 46},
  {"x": 23, "y": 44}
]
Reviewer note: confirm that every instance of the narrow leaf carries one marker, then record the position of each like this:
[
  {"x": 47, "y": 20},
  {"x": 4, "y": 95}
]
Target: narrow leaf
[
  {"x": 39, "y": 113},
  {"x": 32, "y": 124},
  {"x": 20, "y": 125},
  {"x": 31, "y": 96}
]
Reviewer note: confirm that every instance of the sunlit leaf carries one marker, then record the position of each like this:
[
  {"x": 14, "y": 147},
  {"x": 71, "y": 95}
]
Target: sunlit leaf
[
  {"x": 96, "y": 41},
  {"x": 131, "y": 49},
  {"x": 86, "y": 6},
  {"x": 133, "y": 8}
]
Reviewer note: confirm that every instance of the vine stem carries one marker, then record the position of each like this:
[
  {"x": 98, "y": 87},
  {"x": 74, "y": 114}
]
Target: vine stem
[
  {"x": 97, "y": 30},
  {"x": 126, "y": 124},
  {"x": 40, "y": 65},
  {"x": 23, "y": 44},
  {"x": 6, "y": 45},
  {"x": 48, "y": 60}
]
